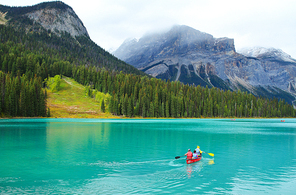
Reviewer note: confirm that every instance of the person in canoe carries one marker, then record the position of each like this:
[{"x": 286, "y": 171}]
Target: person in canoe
[
  {"x": 195, "y": 155},
  {"x": 198, "y": 151},
  {"x": 189, "y": 154}
]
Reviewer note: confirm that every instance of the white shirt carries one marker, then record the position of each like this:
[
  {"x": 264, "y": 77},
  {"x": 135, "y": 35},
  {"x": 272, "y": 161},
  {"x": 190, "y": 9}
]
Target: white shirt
[{"x": 197, "y": 151}]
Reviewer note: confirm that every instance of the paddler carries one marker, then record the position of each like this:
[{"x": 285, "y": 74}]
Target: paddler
[
  {"x": 195, "y": 155},
  {"x": 198, "y": 151},
  {"x": 189, "y": 154}
]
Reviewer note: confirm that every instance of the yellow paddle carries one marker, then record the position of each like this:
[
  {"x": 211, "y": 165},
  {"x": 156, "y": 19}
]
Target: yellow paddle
[{"x": 211, "y": 154}]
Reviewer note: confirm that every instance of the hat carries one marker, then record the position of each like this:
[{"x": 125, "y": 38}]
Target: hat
[
  {"x": 188, "y": 149},
  {"x": 197, "y": 147}
]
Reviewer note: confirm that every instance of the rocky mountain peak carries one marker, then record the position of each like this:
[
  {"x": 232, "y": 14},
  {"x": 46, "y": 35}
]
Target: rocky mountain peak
[
  {"x": 267, "y": 53},
  {"x": 188, "y": 35},
  {"x": 179, "y": 40},
  {"x": 54, "y": 16},
  {"x": 59, "y": 19}
]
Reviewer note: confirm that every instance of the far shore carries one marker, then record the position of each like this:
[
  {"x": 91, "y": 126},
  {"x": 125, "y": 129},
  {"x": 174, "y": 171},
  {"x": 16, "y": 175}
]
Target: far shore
[{"x": 123, "y": 117}]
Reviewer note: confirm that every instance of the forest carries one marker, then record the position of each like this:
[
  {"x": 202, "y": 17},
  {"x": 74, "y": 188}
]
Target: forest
[
  {"x": 27, "y": 59},
  {"x": 133, "y": 95}
]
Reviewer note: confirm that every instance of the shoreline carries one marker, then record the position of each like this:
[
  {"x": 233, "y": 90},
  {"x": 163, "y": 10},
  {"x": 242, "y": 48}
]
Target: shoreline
[{"x": 122, "y": 117}]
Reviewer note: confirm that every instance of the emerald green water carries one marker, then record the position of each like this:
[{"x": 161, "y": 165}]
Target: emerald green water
[{"x": 90, "y": 156}]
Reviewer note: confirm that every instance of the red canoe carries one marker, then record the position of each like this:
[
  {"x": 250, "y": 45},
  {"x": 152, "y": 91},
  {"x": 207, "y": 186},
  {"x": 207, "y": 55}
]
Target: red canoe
[{"x": 189, "y": 161}]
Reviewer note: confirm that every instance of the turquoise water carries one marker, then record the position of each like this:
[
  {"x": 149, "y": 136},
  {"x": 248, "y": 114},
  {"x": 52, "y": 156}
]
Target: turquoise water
[{"x": 90, "y": 156}]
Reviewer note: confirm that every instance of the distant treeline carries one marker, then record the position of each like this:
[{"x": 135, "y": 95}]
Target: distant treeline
[
  {"x": 133, "y": 95},
  {"x": 27, "y": 59}
]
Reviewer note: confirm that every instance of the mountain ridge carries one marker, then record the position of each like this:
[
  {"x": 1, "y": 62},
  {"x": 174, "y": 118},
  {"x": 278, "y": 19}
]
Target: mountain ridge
[
  {"x": 191, "y": 41},
  {"x": 210, "y": 61},
  {"x": 56, "y": 25},
  {"x": 265, "y": 53}
]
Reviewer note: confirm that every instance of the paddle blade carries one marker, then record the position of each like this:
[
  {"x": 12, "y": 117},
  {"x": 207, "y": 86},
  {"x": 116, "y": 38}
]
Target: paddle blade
[
  {"x": 211, "y": 154},
  {"x": 177, "y": 157}
]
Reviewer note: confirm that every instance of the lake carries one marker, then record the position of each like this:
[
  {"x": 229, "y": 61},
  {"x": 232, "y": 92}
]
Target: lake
[{"x": 100, "y": 156}]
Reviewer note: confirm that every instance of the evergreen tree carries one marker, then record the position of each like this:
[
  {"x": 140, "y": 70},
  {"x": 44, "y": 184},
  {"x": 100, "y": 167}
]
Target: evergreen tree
[
  {"x": 48, "y": 112},
  {"x": 130, "y": 109},
  {"x": 103, "y": 106},
  {"x": 167, "y": 109},
  {"x": 144, "y": 111},
  {"x": 151, "y": 112}
]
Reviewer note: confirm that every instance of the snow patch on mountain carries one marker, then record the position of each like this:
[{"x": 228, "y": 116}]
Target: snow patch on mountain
[{"x": 262, "y": 52}]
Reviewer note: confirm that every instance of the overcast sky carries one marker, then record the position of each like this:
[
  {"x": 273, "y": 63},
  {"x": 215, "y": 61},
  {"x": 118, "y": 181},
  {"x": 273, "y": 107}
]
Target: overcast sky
[{"x": 266, "y": 23}]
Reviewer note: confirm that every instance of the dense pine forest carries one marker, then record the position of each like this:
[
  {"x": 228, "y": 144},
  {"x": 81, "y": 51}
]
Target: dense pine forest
[
  {"x": 22, "y": 96},
  {"x": 133, "y": 95},
  {"x": 26, "y": 59}
]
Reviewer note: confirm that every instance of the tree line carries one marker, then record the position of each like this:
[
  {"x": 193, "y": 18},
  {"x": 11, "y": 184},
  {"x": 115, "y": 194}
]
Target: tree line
[{"x": 134, "y": 95}]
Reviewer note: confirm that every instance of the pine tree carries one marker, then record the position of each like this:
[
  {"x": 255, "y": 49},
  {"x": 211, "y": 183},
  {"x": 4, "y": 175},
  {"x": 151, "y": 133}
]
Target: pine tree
[
  {"x": 151, "y": 110},
  {"x": 144, "y": 111},
  {"x": 173, "y": 108},
  {"x": 130, "y": 108},
  {"x": 162, "y": 110},
  {"x": 167, "y": 109},
  {"x": 137, "y": 109},
  {"x": 48, "y": 112},
  {"x": 103, "y": 106},
  {"x": 156, "y": 106}
]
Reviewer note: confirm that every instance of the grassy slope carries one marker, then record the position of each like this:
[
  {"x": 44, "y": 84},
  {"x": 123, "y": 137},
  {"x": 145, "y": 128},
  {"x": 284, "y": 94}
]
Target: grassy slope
[{"x": 72, "y": 102}]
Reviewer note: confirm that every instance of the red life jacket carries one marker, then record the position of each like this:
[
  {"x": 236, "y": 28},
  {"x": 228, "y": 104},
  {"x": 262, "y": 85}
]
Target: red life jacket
[{"x": 189, "y": 155}]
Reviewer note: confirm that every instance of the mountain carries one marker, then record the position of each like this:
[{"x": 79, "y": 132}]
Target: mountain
[
  {"x": 56, "y": 25},
  {"x": 190, "y": 56},
  {"x": 55, "y": 16}
]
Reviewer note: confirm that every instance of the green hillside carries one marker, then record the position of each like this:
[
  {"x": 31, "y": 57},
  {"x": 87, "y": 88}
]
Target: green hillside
[{"x": 71, "y": 101}]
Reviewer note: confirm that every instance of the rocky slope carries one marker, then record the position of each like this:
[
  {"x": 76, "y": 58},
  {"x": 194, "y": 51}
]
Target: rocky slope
[
  {"x": 56, "y": 17},
  {"x": 193, "y": 57},
  {"x": 2, "y": 18},
  {"x": 59, "y": 21}
]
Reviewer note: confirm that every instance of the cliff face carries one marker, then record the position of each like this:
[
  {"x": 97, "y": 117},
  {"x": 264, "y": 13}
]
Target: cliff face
[
  {"x": 54, "y": 16},
  {"x": 193, "y": 57},
  {"x": 58, "y": 20},
  {"x": 178, "y": 42}
]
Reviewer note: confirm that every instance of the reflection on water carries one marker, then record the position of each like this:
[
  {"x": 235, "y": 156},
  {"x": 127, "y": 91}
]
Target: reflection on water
[
  {"x": 65, "y": 139},
  {"x": 193, "y": 168},
  {"x": 211, "y": 162},
  {"x": 137, "y": 156},
  {"x": 197, "y": 167}
]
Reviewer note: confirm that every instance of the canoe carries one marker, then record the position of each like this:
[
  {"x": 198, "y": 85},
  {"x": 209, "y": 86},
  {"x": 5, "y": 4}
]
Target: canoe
[{"x": 189, "y": 161}]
